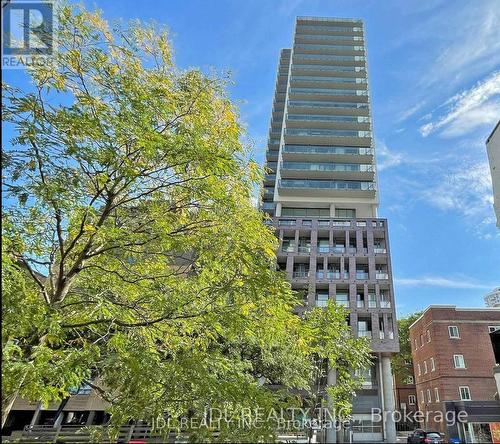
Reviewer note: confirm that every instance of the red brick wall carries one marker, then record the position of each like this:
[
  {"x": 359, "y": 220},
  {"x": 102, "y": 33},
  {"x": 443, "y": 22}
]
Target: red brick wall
[{"x": 474, "y": 344}]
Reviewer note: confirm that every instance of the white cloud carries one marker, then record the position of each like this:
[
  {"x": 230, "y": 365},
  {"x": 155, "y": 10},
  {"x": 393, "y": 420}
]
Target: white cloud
[
  {"x": 410, "y": 111},
  {"x": 459, "y": 282},
  {"x": 469, "y": 109},
  {"x": 471, "y": 36},
  {"x": 467, "y": 190},
  {"x": 386, "y": 158}
]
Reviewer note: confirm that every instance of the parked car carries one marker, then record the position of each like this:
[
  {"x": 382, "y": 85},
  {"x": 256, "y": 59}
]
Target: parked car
[{"x": 427, "y": 437}]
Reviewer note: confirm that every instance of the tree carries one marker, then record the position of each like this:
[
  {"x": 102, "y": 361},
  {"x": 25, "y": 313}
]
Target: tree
[
  {"x": 402, "y": 362},
  {"x": 134, "y": 260}
]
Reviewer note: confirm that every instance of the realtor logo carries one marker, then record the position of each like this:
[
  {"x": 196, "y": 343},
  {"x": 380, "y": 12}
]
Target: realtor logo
[{"x": 27, "y": 33}]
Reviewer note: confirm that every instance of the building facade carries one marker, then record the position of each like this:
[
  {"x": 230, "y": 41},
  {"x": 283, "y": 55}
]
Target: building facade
[
  {"x": 493, "y": 149},
  {"x": 492, "y": 299},
  {"x": 453, "y": 362},
  {"x": 405, "y": 395},
  {"x": 321, "y": 193}
]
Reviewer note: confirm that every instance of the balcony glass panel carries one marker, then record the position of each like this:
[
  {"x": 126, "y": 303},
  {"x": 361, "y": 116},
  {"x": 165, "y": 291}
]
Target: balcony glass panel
[
  {"x": 329, "y": 79},
  {"x": 354, "y": 167},
  {"x": 332, "y": 68},
  {"x": 361, "y": 275},
  {"x": 364, "y": 333},
  {"x": 287, "y": 222},
  {"x": 319, "y": 104},
  {"x": 330, "y": 92},
  {"x": 381, "y": 275},
  {"x": 321, "y": 299},
  {"x": 342, "y": 299},
  {"x": 330, "y": 37},
  {"x": 328, "y": 46},
  {"x": 301, "y": 274},
  {"x": 326, "y": 132},
  {"x": 327, "y": 184},
  {"x": 333, "y": 58},
  {"x": 301, "y": 28},
  {"x": 326, "y": 118}
]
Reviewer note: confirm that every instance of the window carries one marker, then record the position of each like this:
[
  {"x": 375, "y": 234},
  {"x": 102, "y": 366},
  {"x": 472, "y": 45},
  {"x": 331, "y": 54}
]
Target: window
[
  {"x": 425, "y": 367},
  {"x": 464, "y": 393},
  {"x": 402, "y": 405},
  {"x": 429, "y": 397},
  {"x": 436, "y": 394},
  {"x": 410, "y": 380},
  {"x": 321, "y": 299},
  {"x": 419, "y": 370},
  {"x": 453, "y": 331},
  {"x": 342, "y": 299},
  {"x": 428, "y": 336},
  {"x": 412, "y": 400},
  {"x": 459, "y": 361},
  {"x": 433, "y": 365},
  {"x": 421, "y": 340},
  {"x": 492, "y": 328},
  {"x": 316, "y": 212},
  {"x": 422, "y": 399},
  {"x": 345, "y": 213},
  {"x": 415, "y": 344}
]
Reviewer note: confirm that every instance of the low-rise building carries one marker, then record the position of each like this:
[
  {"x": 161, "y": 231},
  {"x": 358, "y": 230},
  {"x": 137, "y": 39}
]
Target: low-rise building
[{"x": 453, "y": 361}]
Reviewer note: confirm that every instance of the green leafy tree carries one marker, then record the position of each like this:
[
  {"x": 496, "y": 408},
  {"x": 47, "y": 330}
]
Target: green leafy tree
[
  {"x": 133, "y": 258},
  {"x": 402, "y": 361}
]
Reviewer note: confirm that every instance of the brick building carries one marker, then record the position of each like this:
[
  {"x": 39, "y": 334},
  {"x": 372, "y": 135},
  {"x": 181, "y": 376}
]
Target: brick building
[
  {"x": 453, "y": 362},
  {"x": 405, "y": 395}
]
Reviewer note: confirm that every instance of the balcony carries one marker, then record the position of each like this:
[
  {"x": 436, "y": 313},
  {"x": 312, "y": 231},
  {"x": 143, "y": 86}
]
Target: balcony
[
  {"x": 363, "y": 275},
  {"x": 326, "y": 104},
  {"x": 305, "y": 170},
  {"x": 364, "y": 333},
  {"x": 378, "y": 250},
  {"x": 328, "y": 92},
  {"x": 385, "y": 304},
  {"x": 328, "y": 118},
  {"x": 304, "y": 249},
  {"x": 381, "y": 275},
  {"x": 287, "y": 222},
  {"x": 306, "y": 187},
  {"x": 300, "y": 274}
]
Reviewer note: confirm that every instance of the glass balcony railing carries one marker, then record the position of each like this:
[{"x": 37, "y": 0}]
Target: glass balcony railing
[
  {"x": 385, "y": 304},
  {"x": 361, "y": 275},
  {"x": 332, "y": 68},
  {"x": 328, "y": 118},
  {"x": 364, "y": 333},
  {"x": 287, "y": 222},
  {"x": 315, "y": 104},
  {"x": 300, "y": 274},
  {"x": 380, "y": 275},
  {"x": 325, "y": 79},
  {"x": 329, "y": 92},
  {"x": 353, "y": 38},
  {"x": 326, "y": 132},
  {"x": 349, "y": 167},
  {"x": 328, "y": 46},
  {"x": 379, "y": 250},
  {"x": 311, "y": 149},
  {"x": 333, "y": 58},
  {"x": 327, "y": 29},
  {"x": 304, "y": 249},
  {"x": 327, "y": 184}
]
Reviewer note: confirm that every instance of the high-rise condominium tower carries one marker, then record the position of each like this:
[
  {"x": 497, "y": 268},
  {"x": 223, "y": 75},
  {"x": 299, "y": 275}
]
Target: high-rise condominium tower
[{"x": 322, "y": 193}]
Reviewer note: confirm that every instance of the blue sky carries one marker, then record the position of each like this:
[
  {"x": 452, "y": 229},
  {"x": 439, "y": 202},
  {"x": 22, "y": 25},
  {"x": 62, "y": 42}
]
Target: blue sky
[{"x": 434, "y": 71}]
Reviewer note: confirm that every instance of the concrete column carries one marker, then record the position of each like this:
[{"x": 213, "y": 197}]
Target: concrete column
[
  {"x": 90, "y": 418},
  {"x": 36, "y": 415},
  {"x": 332, "y": 210},
  {"x": 389, "y": 404},
  {"x": 331, "y": 433},
  {"x": 277, "y": 211}
]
